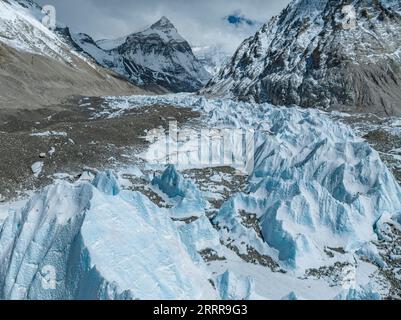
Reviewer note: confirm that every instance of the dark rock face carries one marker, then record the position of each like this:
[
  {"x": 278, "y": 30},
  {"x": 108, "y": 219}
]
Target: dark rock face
[
  {"x": 156, "y": 56},
  {"x": 343, "y": 55}
]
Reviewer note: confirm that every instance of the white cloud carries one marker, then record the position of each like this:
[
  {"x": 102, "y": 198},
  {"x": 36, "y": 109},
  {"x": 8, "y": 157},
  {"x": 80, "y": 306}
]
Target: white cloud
[{"x": 200, "y": 22}]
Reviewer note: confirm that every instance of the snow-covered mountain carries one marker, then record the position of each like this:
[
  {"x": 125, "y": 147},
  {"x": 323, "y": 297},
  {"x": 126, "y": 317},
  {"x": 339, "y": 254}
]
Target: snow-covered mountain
[
  {"x": 213, "y": 58},
  {"x": 21, "y": 28},
  {"x": 321, "y": 53},
  {"x": 157, "y": 55},
  {"x": 39, "y": 67}
]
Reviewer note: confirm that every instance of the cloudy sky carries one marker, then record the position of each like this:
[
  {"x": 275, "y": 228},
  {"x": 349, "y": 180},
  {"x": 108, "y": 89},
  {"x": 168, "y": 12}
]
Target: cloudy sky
[{"x": 204, "y": 22}]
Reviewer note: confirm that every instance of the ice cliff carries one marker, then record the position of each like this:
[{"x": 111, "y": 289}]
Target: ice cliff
[{"x": 100, "y": 244}]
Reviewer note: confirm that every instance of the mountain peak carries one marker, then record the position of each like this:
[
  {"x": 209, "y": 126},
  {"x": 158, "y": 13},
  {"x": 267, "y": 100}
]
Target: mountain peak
[
  {"x": 164, "y": 29},
  {"x": 291, "y": 59},
  {"x": 163, "y": 23}
]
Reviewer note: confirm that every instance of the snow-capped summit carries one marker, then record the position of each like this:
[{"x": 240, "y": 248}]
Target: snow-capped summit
[
  {"x": 155, "y": 56},
  {"x": 164, "y": 26},
  {"x": 321, "y": 53},
  {"x": 163, "y": 23},
  {"x": 213, "y": 58},
  {"x": 162, "y": 30}
]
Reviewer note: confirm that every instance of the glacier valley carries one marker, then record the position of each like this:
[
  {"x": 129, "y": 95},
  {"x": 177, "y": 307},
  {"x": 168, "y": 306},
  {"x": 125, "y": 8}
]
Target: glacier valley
[{"x": 314, "y": 218}]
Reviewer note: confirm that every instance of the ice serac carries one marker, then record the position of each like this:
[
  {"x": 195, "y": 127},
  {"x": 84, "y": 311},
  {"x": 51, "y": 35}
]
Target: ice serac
[
  {"x": 233, "y": 287},
  {"x": 190, "y": 202},
  {"x": 42, "y": 234},
  {"x": 359, "y": 293},
  {"x": 157, "y": 56},
  {"x": 291, "y": 297},
  {"x": 107, "y": 183},
  {"x": 97, "y": 246},
  {"x": 200, "y": 236},
  {"x": 310, "y": 56},
  {"x": 315, "y": 184}
]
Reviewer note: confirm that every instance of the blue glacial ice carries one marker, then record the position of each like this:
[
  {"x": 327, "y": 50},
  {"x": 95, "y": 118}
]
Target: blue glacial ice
[
  {"x": 292, "y": 296},
  {"x": 200, "y": 234},
  {"x": 359, "y": 293},
  {"x": 100, "y": 246},
  {"x": 107, "y": 183},
  {"x": 315, "y": 184},
  {"x": 190, "y": 202},
  {"x": 233, "y": 287}
]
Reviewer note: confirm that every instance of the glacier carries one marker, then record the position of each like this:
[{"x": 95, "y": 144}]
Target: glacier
[
  {"x": 232, "y": 287},
  {"x": 315, "y": 187},
  {"x": 315, "y": 183},
  {"x": 190, "y": 202},
  {"x": 101, "y": 245}
]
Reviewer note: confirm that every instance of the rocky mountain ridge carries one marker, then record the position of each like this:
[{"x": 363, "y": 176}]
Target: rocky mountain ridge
[{"x": 342, "y": 55}]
